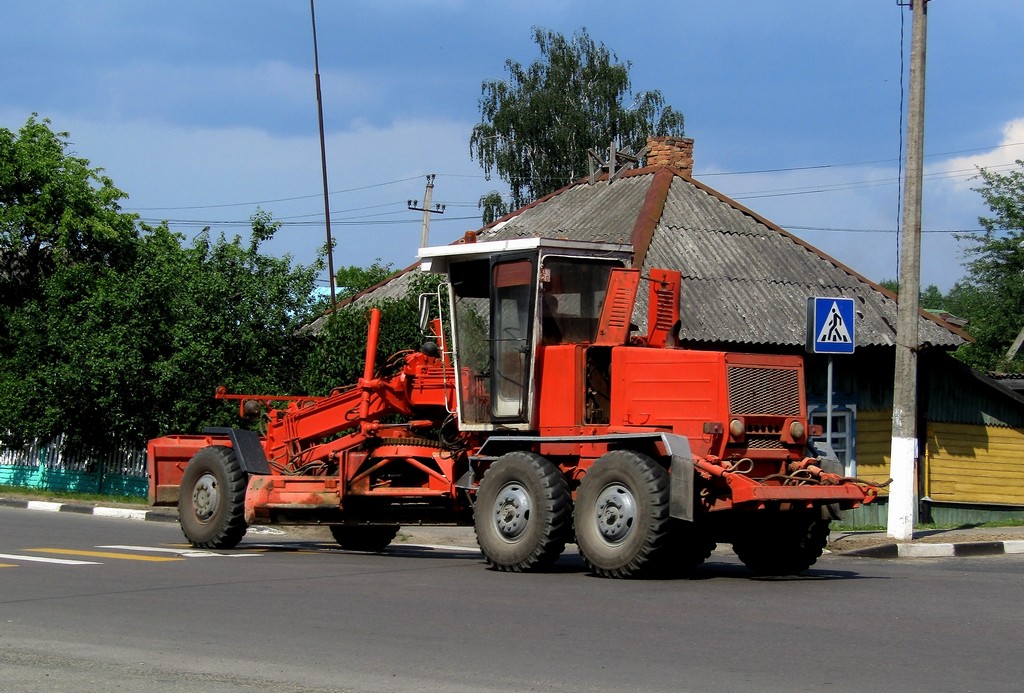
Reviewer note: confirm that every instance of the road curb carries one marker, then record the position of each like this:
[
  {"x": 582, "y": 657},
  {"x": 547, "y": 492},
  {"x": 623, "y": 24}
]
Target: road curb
[
  {"x": 939, "y": 550},
  {"x": 98, "y": 511}
]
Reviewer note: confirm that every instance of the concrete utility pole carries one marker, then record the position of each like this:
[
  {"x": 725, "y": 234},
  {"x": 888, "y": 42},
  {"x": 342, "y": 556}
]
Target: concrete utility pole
[
  {"x": 904, "y": 453},
  {"x": 426, "y": 209}
]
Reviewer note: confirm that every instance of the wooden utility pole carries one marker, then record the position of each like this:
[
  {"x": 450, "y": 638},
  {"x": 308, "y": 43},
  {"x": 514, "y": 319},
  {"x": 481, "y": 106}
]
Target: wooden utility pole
[{"x": 904, "y": 453}]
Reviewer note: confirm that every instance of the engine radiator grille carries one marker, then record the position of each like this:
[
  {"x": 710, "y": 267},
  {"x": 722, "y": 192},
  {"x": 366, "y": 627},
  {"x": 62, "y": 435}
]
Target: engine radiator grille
[{"x": 764, "y": 391}]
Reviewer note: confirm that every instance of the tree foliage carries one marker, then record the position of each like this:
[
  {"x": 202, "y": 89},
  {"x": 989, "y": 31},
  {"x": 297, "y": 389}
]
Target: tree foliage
[
  {"x": 112, "y": 332},
  {"x": 54, "y": 208},
  {"x": 493, "y": 207},
  {"x": 353, "y": 279},
  {"x": 929, "y": 299},
  {"x": 537, "y": 126},
  {"x": 991, "y": 296},
  {"x": 338, "y": 354}
]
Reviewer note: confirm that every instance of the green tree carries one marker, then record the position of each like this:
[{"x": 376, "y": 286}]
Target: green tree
[
  {"x": 493, "y": 206},
  {"x": 991, "y": 296},
  {"x": 536, "y": 127},
  {"x": 339, "y": 352},
  {"x": 931, "y": 298},
  {"x": 62, "y": 235},
  {"x": 112, "y": 332},
  {"x": 353, "y": 279},
  {"x": 230, "y": 318},
  {"x": 54, "y": 205}
]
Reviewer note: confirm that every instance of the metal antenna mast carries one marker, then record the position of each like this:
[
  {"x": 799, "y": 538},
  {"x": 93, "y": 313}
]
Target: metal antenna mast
[{"x": 323, "y": 160}]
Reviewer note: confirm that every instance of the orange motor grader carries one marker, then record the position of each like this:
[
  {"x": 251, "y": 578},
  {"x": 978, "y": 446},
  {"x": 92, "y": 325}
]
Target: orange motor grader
[{"x": 539, "y": 414}]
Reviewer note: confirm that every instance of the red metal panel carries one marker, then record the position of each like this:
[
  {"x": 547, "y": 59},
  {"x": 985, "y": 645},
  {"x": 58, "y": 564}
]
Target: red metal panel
[
  {"x": 663, "y": 307},
  {"x": 674, "y": 389},
  {"x": 166, "y": 459},
  {"x": 617, "y": 312},
  {"x": 559, "y": 385},
  {"x": 818, "y": 493}
]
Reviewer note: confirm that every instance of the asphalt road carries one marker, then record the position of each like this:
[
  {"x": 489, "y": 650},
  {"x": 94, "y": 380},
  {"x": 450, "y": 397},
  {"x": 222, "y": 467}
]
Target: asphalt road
[{"x": 287, "y": 614}]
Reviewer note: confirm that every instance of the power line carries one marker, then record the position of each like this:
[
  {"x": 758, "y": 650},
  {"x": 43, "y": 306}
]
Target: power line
[
  {"x": 842, "y": 230},
  {"x": 814, "y": 167},
  {"x": 246, "y": 223},
  {"x": 748, "y": 195},
  {"x": 788, "y": 169},
  {"x": 281, "y": 199},
  {"x": 832, "y": 187}
]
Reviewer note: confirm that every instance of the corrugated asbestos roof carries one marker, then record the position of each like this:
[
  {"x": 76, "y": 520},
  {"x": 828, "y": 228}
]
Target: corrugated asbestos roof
[
  {"x": 745, "y": 280},
  {"x": 599, "y": 212}
]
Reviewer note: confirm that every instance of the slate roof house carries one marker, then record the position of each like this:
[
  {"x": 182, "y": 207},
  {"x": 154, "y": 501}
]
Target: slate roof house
[{"x": 745, "y": 287}]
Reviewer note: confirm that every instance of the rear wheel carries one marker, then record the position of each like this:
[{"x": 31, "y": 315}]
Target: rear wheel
[
  {"x": 211, "y": 507},
  {"x": 364, "y": 537},
  {"x": 785, "y": 543},
  {"x": 622, "y": 515},
  {"x": 523, "y": 513}
]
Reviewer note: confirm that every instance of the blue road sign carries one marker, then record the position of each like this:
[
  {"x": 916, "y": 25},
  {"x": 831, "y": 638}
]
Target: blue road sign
[{"x": 830, "y": 325}]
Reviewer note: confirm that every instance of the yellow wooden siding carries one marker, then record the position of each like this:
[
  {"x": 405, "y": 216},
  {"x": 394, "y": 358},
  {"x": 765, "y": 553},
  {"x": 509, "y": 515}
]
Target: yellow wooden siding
[
  {"x": 967, "y": 463},
  {"x": 874, "y": 444}
]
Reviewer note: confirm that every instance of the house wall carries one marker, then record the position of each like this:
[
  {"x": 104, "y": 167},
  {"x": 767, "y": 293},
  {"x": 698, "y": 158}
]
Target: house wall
[
  {"x": 968, "y": 463},
  {"x": 874, "y": 444},
  {"x": 972, "y": 451}
]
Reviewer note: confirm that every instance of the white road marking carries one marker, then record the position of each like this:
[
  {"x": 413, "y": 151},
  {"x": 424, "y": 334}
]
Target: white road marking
[
  {"x": 40, "y": 559},
  {"x": 186, "y": 553}
]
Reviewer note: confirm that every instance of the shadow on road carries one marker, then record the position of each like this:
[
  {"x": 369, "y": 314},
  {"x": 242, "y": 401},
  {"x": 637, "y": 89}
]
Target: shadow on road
[{"x": 569, "y": 563}]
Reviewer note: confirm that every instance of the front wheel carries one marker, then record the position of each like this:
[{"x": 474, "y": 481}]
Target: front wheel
[
  {"x": 786, "y": 543},
  {"x": 523, "y": 513},
  {"x": 623, "y": 528},
  {"x": 211, "y": 508}
]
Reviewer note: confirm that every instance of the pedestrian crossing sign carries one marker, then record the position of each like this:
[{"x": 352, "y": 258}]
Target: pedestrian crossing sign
[{"x": 830, "y": 325}]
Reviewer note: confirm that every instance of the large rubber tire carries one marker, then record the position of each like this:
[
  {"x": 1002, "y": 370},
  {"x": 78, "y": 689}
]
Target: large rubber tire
[
  {"x": 523, "y": 513},
  {"x": 364, "y": 537},
  {"x": 211, "y": 508},
  {"x": 622, "y": 516},
  {"x": 784, "y": 543}
]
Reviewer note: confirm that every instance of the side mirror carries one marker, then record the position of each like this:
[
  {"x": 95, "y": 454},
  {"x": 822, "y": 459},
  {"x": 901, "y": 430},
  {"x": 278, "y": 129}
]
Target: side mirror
[{"x": 425, "y": 314}]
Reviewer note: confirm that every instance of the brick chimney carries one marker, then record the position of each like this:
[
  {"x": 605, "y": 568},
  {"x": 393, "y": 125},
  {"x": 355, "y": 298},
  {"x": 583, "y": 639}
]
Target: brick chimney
[{"x": 674, "y": 152}]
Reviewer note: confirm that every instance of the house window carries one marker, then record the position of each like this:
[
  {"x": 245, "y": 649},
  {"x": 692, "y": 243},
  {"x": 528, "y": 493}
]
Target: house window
[{"x": 843, "y": 433}]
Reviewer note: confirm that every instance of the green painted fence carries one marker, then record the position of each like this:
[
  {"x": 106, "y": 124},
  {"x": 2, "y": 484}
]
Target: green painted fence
[{"x": 47, "y": 466}]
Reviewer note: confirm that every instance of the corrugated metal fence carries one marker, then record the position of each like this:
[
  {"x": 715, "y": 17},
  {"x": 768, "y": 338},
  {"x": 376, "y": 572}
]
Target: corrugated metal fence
[{"x": 47, "y": 466}]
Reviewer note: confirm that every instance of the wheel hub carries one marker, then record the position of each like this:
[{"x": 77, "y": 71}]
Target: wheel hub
[
  {"x": 615, "y": 513},
  {"x": 205, "y": 497},
  {"x": 512, "y": 509}
]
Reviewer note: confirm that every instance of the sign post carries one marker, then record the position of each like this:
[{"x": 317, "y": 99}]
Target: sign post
[{"x": 830, "y": 331}]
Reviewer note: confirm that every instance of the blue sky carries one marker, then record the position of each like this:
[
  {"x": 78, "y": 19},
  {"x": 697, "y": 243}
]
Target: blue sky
[{"x": 205, "y": 111}]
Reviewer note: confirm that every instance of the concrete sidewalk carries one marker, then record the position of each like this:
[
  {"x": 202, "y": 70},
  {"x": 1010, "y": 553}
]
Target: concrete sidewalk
[{"x": 930, "y": 543}]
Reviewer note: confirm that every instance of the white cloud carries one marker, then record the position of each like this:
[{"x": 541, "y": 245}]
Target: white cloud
[
  {"x": 1000, "y": 158},
  {"x": 190, "y": 173},
  {"x": 854, "y": 201}
]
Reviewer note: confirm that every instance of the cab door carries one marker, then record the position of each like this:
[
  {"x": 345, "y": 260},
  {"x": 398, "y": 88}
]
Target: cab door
[{"x": 513, "y": 302}]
